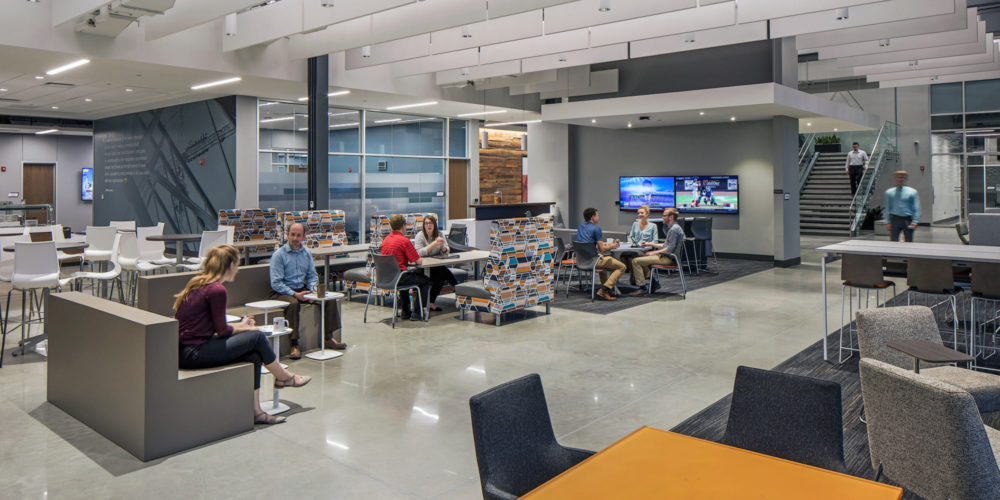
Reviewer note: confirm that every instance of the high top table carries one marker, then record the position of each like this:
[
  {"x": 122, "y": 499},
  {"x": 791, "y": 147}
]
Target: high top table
[
  {"x": 323, "y": 353},
  {"x": 179, "y": 240},
  {"x": 473, "y": 256},
  {"x": 327, "y": 252},
  {"x": 884, "y": 248}
]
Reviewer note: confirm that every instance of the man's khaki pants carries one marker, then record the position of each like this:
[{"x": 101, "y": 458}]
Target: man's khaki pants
[
  {"x": 641, "y": 265},
  {"x": 616, "y": 266}
]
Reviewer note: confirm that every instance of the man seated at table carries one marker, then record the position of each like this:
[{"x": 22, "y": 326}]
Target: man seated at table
[
  {"x": 675, "y": 237},
  {"x": 402, "y": 248},
  {"x": 293, "y": 275},
  {"x": 590, "y": 232}
]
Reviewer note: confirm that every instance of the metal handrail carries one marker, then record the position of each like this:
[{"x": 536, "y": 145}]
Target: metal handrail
[
  {"x": 869, "y": 180},
  {"x": 805, "y": 171},
  {"x": 810, "y": 139}
]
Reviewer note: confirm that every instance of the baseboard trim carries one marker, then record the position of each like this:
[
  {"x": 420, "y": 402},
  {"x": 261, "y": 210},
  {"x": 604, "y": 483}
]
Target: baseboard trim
[
  {"x": 788, "y": 262},
  {"x": 744, "y": 256}
]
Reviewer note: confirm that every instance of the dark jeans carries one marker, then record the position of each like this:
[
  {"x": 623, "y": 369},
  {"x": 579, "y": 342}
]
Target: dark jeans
[
  {"x": 440, "y": 275},
  {"x": 899, "y": 224},
  {"x": 855, "y": 171},
  {"x": 292, "y": 315},
  {"x": 245, "y": 346},
  {"x": 414, "y": 278}
]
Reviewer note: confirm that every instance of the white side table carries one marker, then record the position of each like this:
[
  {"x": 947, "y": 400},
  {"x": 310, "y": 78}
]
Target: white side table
[
  {"x": 323, "y": 353},
  {"x": 232, "y": 319},
  {"x": 274, "y": 406},
  {"x": 269, "y": 306}
]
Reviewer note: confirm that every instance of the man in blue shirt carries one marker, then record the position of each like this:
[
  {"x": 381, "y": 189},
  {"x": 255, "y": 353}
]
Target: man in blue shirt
[
  {"x": 902, "y": 204},
  {"x": 293, "y": 275},
  {"x": 590, "y": 232}
]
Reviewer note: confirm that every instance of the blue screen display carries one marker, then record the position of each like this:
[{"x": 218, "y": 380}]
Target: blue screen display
[
  {"x": 657, "y": 192},
  {"x": 87, "y": 184}
]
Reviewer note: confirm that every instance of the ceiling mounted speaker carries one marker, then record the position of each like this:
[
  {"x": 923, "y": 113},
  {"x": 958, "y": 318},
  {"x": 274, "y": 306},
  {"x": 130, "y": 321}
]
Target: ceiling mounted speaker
[
  {"x": 231, "y": 24},
  {"x": 689, "y": 38},
  {"x": 366, "y": 51},
  {"x": 326, "y": 3},
  {"x": 484, "y": 140},
  {"x": 466, "y": 32},
  {"x": 605, "y": 5},
  {"x": 883, "y": 42},
  {"x": 464, "y": 72},
  {"x": 842, "y": 14}
]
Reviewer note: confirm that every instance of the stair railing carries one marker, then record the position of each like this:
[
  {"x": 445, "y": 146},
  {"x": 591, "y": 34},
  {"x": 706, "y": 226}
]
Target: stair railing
[
  {"x": 806, "y": 146},
  {"x": 883, "y": 151},
  {"x": 805, "y": 169}
]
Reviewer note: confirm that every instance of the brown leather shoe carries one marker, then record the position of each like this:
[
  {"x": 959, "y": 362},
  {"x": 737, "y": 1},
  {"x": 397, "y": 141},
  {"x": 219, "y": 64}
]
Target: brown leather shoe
[
  {"x": 295, "y": 353},
  {"x": 602, "y": 293},
  {"x": 333, "y": 344}
]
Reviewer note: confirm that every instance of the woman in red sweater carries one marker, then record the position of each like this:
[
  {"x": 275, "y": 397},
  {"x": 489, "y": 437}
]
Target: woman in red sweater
[{"x": 206, "y": 340}]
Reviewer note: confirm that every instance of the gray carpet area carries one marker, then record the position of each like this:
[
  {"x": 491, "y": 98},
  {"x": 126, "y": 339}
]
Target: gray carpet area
[
  {"x": 729, "y": 269},
  {"x": 710, "y": 423}
]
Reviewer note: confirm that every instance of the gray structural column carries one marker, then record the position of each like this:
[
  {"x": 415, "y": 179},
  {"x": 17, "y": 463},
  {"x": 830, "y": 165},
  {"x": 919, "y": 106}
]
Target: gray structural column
[
  {"x": 548, "y": 165},
  {"x": 319, "y": 133},
  {"x": 247, "y": 136},
  {"x": 784, "y": 144}
]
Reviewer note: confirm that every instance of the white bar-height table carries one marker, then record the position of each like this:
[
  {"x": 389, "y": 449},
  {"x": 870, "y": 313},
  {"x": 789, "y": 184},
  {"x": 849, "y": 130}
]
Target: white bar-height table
[
  {"x": 323, "y": 353},
  {"x": 938, "y": 251},
  {"x": 268, "y": 306},
  {"x": 327, "y": 252},
  {"x": 274, "y": 406},
  {"x": 245, "y": 246},
  {"x": 179, "y": 240}
]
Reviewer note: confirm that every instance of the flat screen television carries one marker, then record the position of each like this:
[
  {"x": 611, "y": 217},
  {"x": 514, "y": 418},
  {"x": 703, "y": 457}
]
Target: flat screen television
[
  {"x": 634, "y": 192},
  {"x": 717, "y": 194},
  {"x": 87, "y": 184}
]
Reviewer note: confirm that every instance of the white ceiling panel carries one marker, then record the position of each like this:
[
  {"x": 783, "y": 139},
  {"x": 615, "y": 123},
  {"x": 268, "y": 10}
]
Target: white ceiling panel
[
  {"x": 940, "y": 62},
  {"x": 951, "y": 70},
  {"x": 929, "y": 80},
  {"x": 823, "y": 70},
  {"x": 479, "y": 72},
  {"x": 578, "y": 77},
  {"x": 566, "y": 41},
  {"x": 536, "y": 78},
  {"x": 575, "y": 58},
  {"x": 507, "y": 28},
  {"x": 500, "y": 8},
  {"x": 316, "y": 16},
  {"x": 762, "y": 10},
  {"x": 962, "y": 49},
  {"x": 64, "y": 11},
  {"x": 955, "y": 20},
  {"x": 395, "y": 50},
  {"x": 684, "y": 21},
  {"x": 585, "y": 13},
  {"x": 265, "y": 24},
  {"x": 968, "y": 35},
  {"x": 438, "y": 62},
  {"x": 861, "y": 15},
  {"x": 740, "y": 33},
  {"x": 190, "y": 13},
  {"x": 31, "y": 93},
  {"x": 601, "y": 82}
]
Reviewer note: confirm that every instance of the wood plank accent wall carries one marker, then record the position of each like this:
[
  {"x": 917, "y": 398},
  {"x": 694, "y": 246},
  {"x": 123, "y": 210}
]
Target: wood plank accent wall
[{"x": 500, "y": 166}]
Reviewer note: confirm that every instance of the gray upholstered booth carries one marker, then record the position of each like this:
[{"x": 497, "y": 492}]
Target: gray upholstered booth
[
  {"x": 252, "y": 283},
  {"x": 927, "y": 435},
  {"x": 114, "y": 368},
  {"x": 984, "y": 229},
  {"x": 878, "y": 327}
]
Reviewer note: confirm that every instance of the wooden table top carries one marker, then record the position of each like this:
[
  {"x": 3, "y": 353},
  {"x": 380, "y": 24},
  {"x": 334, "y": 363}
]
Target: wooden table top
[
  {"x": 929, "y": 351},
  {"x": 652, "y": 463},
  {"x": 463, "y": 257},
  {"x": 338, "y": 250},
  {"x": 60, "y": 245},
  {"x": 175, "y": 237}
]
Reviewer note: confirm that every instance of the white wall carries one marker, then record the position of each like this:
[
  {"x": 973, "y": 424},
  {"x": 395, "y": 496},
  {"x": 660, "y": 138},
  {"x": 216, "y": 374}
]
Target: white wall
[
  {"x": 548, "y": 164},
  {"x": 70, "y": 154},
  {"x": 247, "y": 186}
]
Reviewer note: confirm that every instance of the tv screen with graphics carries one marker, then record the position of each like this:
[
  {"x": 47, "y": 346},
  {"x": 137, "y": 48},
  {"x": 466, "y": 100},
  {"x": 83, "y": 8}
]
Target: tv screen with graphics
[
  {"x": 634, "y": 192},
  {"x": 87, "y": 184},
  {"x": 717, "y": 194}
]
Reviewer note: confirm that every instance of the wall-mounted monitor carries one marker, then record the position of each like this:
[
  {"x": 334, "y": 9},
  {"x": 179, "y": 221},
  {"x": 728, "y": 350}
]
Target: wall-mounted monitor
[
  {"x": 634, "y": 192},
  {"x": 87, "y": 184},
  {"x": 718, "y": 194}
]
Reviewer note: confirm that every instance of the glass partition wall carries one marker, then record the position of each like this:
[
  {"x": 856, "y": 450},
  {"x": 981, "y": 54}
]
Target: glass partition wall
[
  {"x": 393, "y": 163},
  {"x": 965, "y": 162}
]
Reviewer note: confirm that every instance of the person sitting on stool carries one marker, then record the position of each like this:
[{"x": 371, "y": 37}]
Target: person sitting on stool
[
  {"x": 902, "y": 203},
  {"x": 293, "y": 275},
  {"x": 399, "y": 246}
]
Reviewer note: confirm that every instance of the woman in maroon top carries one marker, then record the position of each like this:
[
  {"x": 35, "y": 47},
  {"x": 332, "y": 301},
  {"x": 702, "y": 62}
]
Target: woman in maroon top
[{"x": 207, "y": 341}]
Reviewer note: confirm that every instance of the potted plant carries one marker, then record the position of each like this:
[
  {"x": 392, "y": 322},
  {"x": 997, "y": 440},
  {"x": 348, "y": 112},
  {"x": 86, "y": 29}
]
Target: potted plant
[
  {"x": 827, "y": 144},
  {"x": 874, "y": 214}
]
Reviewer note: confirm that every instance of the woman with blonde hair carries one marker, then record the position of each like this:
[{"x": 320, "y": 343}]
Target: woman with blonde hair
[{"x": 207, "y": 341}]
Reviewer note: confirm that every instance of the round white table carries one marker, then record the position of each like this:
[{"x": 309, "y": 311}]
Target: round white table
[
  {"x": 268, "y": 306},
  {"x": 274, "y": 406},
  {"x": 323, "y": 353}
]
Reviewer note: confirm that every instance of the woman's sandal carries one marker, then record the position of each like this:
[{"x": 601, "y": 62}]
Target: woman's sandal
[
  {"x": 293, "y": 381},
  {"x": 265, "y": 419}
]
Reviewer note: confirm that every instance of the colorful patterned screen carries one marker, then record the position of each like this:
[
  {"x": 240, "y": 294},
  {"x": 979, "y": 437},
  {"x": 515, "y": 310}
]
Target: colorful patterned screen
[
  {"x": 252, "y": 224},
  {"x": 378, "y": 229},
  {"x": 324, "y": 228}
]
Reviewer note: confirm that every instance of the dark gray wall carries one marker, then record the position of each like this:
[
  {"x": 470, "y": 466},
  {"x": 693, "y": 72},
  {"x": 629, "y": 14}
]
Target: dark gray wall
[
  {"x": 597, "y": 157},
  {"x": 70, "y": 154}
]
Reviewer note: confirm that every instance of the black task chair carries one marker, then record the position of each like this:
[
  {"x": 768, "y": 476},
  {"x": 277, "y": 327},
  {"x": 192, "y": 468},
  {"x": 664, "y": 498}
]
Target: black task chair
[
  {"x": 387, "y": 276},
  {"x": 787, "y": 416},
  {"x": 515, "y": 446}
]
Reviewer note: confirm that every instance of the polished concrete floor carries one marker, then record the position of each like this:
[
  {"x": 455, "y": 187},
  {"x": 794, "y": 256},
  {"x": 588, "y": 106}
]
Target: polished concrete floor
[{"x": 390, "y": 419}]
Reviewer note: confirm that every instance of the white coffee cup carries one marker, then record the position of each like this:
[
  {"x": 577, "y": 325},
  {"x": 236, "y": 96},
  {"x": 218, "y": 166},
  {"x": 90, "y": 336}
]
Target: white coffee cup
[
  {"x": 611, "y": 240},
  {"x": 279, "y": 324}
]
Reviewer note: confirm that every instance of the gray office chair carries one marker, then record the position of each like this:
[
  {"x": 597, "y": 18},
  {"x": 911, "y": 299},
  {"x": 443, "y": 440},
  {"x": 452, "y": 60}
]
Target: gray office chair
[
  {"x": 654, "y": 270},
  {"x": 586, "y": 260},
  {"x": 458, "y": 234},
  {"x": 864, "y": 274},
  {"x": 984, "y": 311},
  {"x": 962, "y": 228},
  {"x": 701, "y": 227},
  {"x": 878, "y": 327},
  {"x": 926, "y": 435},
  {"x": 387, "y": 274},
  {"x": 931, "y": 277}
]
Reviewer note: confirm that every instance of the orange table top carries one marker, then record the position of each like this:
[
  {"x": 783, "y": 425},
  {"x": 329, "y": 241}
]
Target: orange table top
[{"x": 653, "y": 463}]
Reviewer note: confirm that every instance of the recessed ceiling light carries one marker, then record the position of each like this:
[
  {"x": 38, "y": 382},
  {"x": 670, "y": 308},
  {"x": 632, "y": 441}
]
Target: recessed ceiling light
[
  {"x": 87, "y": 99},
  {"x": 809, "y": 124},
  {"x": 390, "y": 120},
  {"x": 480, "y": 113},
  {"x": 302, "y": 129},
  {"x": 54, "y": 107},
  {"x": 834, "y": 130},
  {"x": 593, "y": 120},
  {"x": 701, "y": 113},
  {"x": 3, "y": 90},
  {"x": 355, "y": 124},
  {"x": 629, "y": 124},
  {"x": 39, "y": 77},
  {"x": 732, "y": 118},
  {"x": 338, "y": 93},
  {"x": 49, "y": 131},
  {"x": 128, "y": 90},
  {"x": 65, "y": 67},
  {"x": 355, "y": 113},
  {"x": 306, "y": 98},
  {"x": 215, "y": 83},
  {"x": 414, "y": 105},
  {"x": 279, "y": 119}
]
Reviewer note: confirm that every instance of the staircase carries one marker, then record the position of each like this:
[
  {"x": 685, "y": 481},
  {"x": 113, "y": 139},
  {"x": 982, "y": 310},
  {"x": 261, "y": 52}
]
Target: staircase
[{"x": 825, "y": 201}]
